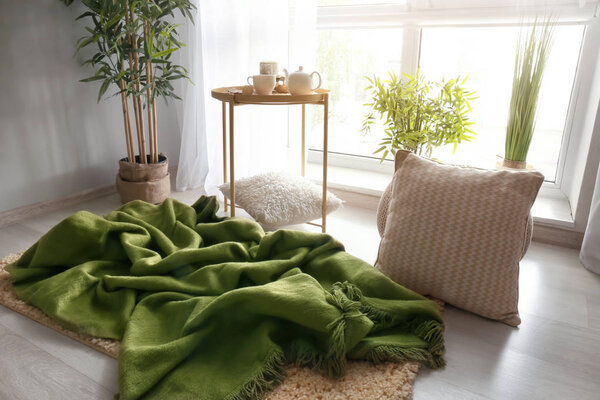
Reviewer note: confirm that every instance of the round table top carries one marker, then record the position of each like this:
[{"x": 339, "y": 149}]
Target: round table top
[{"x": 224, "y": 94}]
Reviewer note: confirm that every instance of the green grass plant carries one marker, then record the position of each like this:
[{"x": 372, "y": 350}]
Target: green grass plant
[{"x": 532, "y": 55}]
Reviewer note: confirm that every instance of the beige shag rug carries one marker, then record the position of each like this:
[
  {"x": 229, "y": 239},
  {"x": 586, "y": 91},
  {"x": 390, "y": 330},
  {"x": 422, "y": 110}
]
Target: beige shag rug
[{"x": 363, "y": 380}]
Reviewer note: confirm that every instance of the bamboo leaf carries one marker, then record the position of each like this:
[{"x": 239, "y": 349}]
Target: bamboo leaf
[
  {"x": 103, "y": 89},
  {"x": 114, "y": 20},
  {"x": 164, "y": 53},
  {"x": 418, "y": 115},
  {"x": 92, "y": 78}
]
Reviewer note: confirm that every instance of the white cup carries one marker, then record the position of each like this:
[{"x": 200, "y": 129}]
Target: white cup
[
  {"x": 263, "y": 84},
  {"x": 269, "y": 68}
]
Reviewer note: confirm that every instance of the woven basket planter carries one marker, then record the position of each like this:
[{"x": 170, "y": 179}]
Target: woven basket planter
[
  {"x": 514, "y": 164},
  {"x": 148, "y": 182}
]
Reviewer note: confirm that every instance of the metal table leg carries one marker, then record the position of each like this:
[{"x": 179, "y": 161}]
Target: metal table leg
[
  {"x": 231, "y": 163},
  {"x": 224, "y": 113},
  {"x": 325, "y": 128},
  {"x": 303, "y": 138}
]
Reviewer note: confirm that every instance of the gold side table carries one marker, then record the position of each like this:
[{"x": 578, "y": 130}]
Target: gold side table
[{"x": 320, "y": 96}]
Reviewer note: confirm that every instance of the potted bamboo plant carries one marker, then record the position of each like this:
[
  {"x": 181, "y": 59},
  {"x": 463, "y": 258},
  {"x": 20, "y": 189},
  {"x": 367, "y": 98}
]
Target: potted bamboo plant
[
  {"x": 530, "y": 62},
  {"x": 134, "y": 41},
  {"x": 419, "y": 115}
]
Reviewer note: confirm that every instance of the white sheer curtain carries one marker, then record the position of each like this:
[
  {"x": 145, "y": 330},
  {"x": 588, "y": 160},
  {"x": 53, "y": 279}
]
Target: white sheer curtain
[
  {"x": 225, "y": 45},
  {"x": 590, "y": 248}
]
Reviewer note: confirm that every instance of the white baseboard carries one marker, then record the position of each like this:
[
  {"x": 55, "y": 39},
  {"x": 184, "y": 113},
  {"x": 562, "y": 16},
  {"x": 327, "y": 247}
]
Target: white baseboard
[
  {"x": 16, "y": 214},
  {"x": 356, "y": 199},
  {"x": 557, "y": 235}
]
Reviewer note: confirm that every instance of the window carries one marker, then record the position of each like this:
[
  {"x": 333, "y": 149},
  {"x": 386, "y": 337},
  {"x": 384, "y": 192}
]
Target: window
[
  {"x": 344, "y": 56},
  {"x": 476, "y": 42},
  {"x": 486, "y": 56}
]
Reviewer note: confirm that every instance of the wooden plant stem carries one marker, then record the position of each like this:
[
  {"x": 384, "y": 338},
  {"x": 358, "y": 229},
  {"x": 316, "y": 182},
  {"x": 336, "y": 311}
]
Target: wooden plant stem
[
  {"x": 126, "y": 121},
  {"x": 136, "y": 97},
  {"x": 136, "y": 113},
  {"x": 149, "y": 101},
  {"x": 154, "y": 125},
  {"x": 154, "y": 122},
  {"x": 128, "y": 136}
]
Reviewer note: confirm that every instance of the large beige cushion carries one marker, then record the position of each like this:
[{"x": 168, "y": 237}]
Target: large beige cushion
[
  {"x": 384, "y": 205},
  {"x": 457, "y": 233}
]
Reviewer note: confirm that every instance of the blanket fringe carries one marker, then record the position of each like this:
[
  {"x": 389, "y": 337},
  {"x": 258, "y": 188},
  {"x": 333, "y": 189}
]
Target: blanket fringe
[
  {"x": 380, "y": 317},
  {"x": 430, "y": 331},
  {"x": 331, "y": 363},
  {"x": 269, "y": 377},
  {"x": 349, "y": 299},
  {"x": 398, "y": 354},
  {"x": 336, "y": 354}
]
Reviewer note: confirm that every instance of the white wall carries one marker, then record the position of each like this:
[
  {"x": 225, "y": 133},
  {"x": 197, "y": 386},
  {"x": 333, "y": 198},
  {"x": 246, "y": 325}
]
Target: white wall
[{"x": 54, "y": 138}]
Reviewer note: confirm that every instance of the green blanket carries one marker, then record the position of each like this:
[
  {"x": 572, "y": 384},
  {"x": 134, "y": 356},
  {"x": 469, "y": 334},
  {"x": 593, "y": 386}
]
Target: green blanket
[{"x": 212, "y": 308}]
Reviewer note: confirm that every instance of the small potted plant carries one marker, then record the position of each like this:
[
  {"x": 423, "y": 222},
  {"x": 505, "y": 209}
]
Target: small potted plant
[
  {"x": 133, "y": 42},
  {"x": 419, "y": 115},
  {"x": 530, "y": 62}
]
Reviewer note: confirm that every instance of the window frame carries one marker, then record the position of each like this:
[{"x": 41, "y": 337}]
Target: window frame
[{"x": 413, "y": 22}]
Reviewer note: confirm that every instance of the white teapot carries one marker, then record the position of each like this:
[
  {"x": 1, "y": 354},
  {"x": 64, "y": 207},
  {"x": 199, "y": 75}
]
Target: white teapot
[{"x": 300, "y": 82}]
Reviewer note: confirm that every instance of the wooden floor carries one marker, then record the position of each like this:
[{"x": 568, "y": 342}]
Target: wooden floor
[{"x": 554, "y": 354}]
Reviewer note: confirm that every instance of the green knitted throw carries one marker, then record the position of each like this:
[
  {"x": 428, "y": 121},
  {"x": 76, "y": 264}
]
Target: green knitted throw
[{"x": 211, "y": 308}]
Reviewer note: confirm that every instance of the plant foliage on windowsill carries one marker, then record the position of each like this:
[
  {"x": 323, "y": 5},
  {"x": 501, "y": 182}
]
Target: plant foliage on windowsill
[
  {"x": 419, "y": 115},
  {"x": 530, "y": 62}
]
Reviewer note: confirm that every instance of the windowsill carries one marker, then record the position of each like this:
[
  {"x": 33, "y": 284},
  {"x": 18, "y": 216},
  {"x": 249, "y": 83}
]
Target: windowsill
[{"x": 550, "y": 208}]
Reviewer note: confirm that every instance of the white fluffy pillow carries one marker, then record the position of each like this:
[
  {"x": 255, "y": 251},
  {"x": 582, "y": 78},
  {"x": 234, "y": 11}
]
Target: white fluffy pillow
[{"x": 277, "y": 199}]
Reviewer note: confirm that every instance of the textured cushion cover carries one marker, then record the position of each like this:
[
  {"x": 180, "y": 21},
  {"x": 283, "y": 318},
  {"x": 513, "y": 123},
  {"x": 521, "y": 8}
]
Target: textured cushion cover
[
  {"x": 457, "y": 233},
  {"x": 384, "y": 204},
  {"x": 277, "y": 199}
]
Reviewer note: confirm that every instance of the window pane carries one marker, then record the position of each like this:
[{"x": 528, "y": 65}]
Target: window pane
[
  {"x": 486, "y": 55},
  {"x": 344, "y": 56}
]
